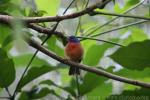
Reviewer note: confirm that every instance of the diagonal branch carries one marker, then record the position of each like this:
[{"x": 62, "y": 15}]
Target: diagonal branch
[
  {"x": 85, "y": 67},
  {"x": 110, "y": 42},
  {"x": 46, "y": 31}
]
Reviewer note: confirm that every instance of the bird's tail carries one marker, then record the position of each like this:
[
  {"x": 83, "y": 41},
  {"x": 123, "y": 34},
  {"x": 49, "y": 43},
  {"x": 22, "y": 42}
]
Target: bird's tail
[{"x": 74, "y": 71}]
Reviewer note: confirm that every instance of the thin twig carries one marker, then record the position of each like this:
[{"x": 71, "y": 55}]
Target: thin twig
[
  {"x": 86, "y": 3},
  {"x": 78, "y": 26},
  {"x": 118, "y": 28},
  {"x": 19, "y": 82},
  {"x": 78, "y": 87},
  {"x": 4, "y": 98},
  {"x": 110, "y": 42},
  {"x": 120, "y": 15},
  {"x": 79, "y": 22},
  {"x": 7, "y": 90},
  {"x": 68, "y": 6}
]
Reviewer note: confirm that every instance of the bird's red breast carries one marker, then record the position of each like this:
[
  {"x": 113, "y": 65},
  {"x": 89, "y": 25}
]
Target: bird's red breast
[{"x": 74, "y": 51}]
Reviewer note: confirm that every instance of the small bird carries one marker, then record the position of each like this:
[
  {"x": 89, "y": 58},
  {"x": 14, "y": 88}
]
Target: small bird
[{"x": 74, "y": 52}]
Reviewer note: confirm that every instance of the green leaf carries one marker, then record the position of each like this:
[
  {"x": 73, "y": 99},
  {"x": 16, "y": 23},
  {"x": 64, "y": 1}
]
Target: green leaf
[
  {"x": 42, "y": 93},
  {"x": 135, "y": 74},
  {"x": 4, "y": 1},
  {"x": 22, "y": 60},
  {"x": 128, "y": 5},
  {"x": 10, "y": 8},
  {"x": 4, "y": 32},
  {"x": 101, "y": 92},
  {"x": 4, "y": 4},
  {"x": 137, "y": 94},
  {"x": 36, "y": 93},
  {"x": 136, "y": 35},
  {"x": 7, "y": 70},
  {"x": 23, "y": 96},
  {"x": 132, "y": 2},
  {"x": 53, "y": 46},
  {"x": 48, "y": 82},
  {"x": 90, "y": 82},
  {"x": 134, "y": 56},
  {"x": 95, "y": 53},
  {"x": 34, "y": 73},
  {"x": 50, "y": 6},
  {"x": 87, "y": 44},
  {"x": 117, "y": 8},
  {"x": 8, "y": 40},
  {"x": 68, "y": 89},
  {"x": 36, "y": 14}
]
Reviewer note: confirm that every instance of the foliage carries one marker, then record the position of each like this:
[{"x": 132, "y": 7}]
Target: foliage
[
  {"x": 7, "y": 69},
  {"x": 15, "y": 54},
  {"x": 132, "y": 56}
]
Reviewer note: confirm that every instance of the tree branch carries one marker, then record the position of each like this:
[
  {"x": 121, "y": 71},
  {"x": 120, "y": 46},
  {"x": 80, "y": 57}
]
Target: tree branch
[
  {"x": 7, "y": 19},
  {"x": 46, "y": 31},
  {"x": 85, "y": 67},
  {"x": 69, "y": 16}
]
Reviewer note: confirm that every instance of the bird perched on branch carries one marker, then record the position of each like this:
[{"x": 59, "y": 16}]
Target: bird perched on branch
[{"x": 74, "y": 52}]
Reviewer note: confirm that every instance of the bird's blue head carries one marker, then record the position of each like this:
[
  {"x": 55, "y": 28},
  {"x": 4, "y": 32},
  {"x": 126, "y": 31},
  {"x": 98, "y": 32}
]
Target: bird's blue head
[{"x": 73, "y": 39}]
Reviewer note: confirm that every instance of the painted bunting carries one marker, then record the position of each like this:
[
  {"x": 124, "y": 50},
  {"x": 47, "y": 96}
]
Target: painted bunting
[{"x": 74, "y": 52}]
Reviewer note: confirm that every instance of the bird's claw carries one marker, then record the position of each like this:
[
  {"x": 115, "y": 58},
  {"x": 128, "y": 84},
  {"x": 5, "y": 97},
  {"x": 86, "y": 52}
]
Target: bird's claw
[{"x": 66, "y": 60}]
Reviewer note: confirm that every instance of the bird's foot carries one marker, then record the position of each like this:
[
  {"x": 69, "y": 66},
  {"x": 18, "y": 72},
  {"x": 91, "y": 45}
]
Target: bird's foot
[{"x": 66, "y": 60}]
